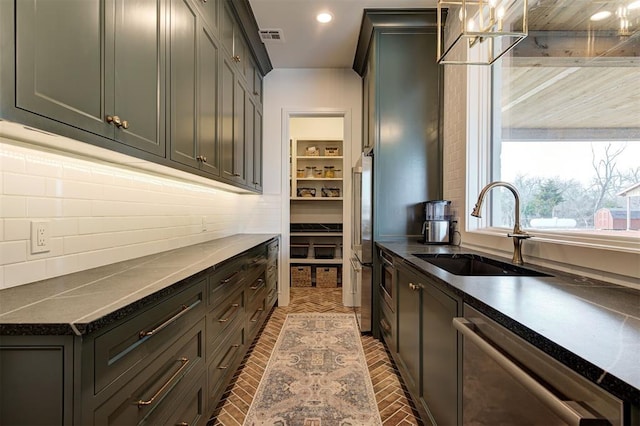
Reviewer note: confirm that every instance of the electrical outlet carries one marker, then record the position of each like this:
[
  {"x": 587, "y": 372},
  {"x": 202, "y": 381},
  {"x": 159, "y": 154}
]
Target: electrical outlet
[{"x": 40, "y": 236}]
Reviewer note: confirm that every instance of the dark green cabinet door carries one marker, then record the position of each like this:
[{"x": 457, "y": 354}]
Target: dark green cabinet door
[
  {"x": 409, "y": 285},
  {"x": 138, "y": 81},
  {"x": 257, "y": 150},
  {"x": 81, "y": 61},
  {"x": 183, "y": 84},
  {"x": 207, "y": 93},
  {"x": 439, "y": 355},
  {"x": 60, "y": 62},
  {"x": 239, "y": 133},
  {"x": 227, "y": 102}
]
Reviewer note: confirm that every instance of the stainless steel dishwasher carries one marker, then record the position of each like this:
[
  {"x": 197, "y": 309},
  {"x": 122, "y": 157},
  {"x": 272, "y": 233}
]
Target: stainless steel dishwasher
[{"x": 507, "y": 381}]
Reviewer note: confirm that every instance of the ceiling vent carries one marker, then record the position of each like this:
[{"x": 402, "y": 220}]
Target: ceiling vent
[{"x": 272, "y": 35}]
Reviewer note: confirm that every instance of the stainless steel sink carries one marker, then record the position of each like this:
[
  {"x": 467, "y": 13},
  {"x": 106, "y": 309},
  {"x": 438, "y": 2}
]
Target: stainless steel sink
[{"x": 474, "y": 265}]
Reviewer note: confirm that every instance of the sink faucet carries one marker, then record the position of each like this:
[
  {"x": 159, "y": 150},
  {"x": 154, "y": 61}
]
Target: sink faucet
[{"x": 518, "y": 234}]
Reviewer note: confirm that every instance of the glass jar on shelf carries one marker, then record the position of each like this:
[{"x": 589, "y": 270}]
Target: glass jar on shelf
[
  {"x": 318, "y": 173},
  {"x": 329, "y": 171},
  {"x": 300, "y": 173},
  {"x": 310, "y": 171}
]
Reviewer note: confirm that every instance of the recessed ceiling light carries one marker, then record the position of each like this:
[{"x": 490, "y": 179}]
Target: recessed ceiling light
[
  {"x": 600, "y": 15},
  {"x": 633, "y": 5},
  {"x": 324, "y": 17}
]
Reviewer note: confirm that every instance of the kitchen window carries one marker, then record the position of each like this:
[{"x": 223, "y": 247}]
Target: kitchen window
[{"x": 565, "y": 124}]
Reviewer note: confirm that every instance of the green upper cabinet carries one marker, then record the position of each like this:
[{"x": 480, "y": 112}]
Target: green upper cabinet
[
  {"x": 193, "y": 90},
  {"x": 95, "y": 65},
  {"x": 175, "y": 82},
  {"x": 234, "y": 43}
]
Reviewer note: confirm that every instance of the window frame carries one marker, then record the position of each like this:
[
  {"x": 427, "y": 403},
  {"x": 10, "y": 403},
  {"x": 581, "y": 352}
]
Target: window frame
[{"x": 614, "y": 258}]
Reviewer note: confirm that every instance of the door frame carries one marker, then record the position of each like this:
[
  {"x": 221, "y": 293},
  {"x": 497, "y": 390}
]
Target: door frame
[{"x": 287, "y": 115}]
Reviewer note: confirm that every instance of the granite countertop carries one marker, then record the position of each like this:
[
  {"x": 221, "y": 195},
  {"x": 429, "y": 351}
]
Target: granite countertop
[
  {"x": 589, "y": 325},
  {"x": 85, "y": 301}
]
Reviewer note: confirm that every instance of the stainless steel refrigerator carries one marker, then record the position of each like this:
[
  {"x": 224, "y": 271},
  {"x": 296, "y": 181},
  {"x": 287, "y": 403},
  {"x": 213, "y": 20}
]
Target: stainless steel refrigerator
[{"x": 362, "y": 238}]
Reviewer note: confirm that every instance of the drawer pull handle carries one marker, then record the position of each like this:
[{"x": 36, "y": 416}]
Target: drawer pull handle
[
  {"x": 256, "y": 314},
  {"x": 258, "y": 285},
  {"x": 229, "y": 278},
  {"x": 183, "y": 310},
  {"x": 185, "y": 362},
  {"x": 183, "y": 423},
  {"x": 231, "y": 350},
  {"x": 385, "y": 326},
  {"x": 233, "y": 307}
]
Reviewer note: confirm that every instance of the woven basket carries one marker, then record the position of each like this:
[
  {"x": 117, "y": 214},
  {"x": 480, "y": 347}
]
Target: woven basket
[
  {"x": 301, "y": 276},
  {"x": 326, "y": 276}
]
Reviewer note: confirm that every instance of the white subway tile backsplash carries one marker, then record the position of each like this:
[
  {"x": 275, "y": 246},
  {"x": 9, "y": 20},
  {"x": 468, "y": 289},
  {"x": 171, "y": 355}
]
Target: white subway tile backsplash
[
  {"x": 22, "y": 184},
  {"x": 44, "y": 207},
  {"x": 13, "y": 252},
  {"x": 13, "y": 206},
  {"x": 102, "y": 213},
  {"x": 25, "y": 272},
  {"x": 17, "y": 229}
]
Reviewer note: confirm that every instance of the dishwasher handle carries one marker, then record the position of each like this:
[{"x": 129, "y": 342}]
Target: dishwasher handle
[{"x": 569, "y": 411}]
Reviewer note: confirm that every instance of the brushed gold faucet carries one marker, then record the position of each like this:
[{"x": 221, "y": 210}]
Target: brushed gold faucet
[{"x": 518, "y": 234}]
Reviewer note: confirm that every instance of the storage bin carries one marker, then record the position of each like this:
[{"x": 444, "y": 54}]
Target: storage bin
[
  {"x": 306, "y": 192},
  {"x": 326, "y": 276},
  {"x": 324, "y": 251},
  {"x": 330, "y": 192},
  {"x": 332, "y": 151},
  {"x": 311, "y": 151},
  {"x": 299, "y": 251},
  {"x": 301, "y": 276}
]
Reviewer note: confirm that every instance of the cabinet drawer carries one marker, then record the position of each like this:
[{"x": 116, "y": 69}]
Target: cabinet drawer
[
  {"x": 256, "y": 289},
  {"x": 223, "y": 318},
  {"x": 388, "y": 326},
  {"x": 192, "y": 409},
  {"x": 225, "y": 360},
  {"x": 122, "y": 351},
  {"x": 146, "y": 397},
  {"x": 255, "y": 315},
  {"x": 224, "y": 281},
  {"x": 255, "y": 262},
  {"x": 272, "y": 296}
]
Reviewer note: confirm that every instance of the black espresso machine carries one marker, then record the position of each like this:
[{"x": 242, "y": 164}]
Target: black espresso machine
[{"x": 437, "y": 228}]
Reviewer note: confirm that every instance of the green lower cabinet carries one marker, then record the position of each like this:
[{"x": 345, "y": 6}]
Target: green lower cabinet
[
  {"x": 428, "y": 345},
  {"x": 439, "y": 390},
  {"x": 409, "y": 326}
]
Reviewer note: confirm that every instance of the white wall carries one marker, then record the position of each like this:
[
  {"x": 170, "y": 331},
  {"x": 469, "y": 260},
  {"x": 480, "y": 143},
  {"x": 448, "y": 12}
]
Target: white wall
[
  {"x": 291, "y": 91},
  {"x": 102, "y": 212}
]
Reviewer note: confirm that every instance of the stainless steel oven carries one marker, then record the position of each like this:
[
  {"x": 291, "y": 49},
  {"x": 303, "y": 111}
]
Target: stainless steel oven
[
  {"x": 507, "y": 381},
  {"x": 386, "y": 280}
]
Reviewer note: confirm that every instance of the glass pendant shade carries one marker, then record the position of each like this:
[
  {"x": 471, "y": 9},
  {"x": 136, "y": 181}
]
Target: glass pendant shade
[{"x": 478, "y": 32}]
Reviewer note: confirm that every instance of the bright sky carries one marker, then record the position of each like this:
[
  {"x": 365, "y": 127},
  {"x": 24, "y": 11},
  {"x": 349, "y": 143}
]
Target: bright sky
[{"x": 567, "y": 160}]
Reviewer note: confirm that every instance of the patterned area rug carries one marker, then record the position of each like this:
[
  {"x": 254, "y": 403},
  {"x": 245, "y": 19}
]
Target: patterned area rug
[{"x": 317, "y": 376}]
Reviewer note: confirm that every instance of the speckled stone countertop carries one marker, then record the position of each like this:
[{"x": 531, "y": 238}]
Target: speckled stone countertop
[
  {"x": 589, "y": 325},
  {"x": 85, "y": 301}
]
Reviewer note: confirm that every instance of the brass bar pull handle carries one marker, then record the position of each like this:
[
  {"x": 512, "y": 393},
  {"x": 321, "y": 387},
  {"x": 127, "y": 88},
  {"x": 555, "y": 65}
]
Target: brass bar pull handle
[
  {"x": 183, "y": 310},
  {"x": 385, "y": 326},
  {"x": 185, "y": 423},
  {"x": 257, "y": 286},
  {"x": 201, "y": 158},
  {"x": 229, "y": 278},
  {"x": 233, "y": 308},
  {"x": 256, "y": 314},
  {"x": 185, "y": 363},
  {"x": 224, "y": 365}
]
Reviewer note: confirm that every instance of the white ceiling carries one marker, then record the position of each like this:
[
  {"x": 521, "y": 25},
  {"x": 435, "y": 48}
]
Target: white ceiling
[{"x": 309, "y": 44}]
